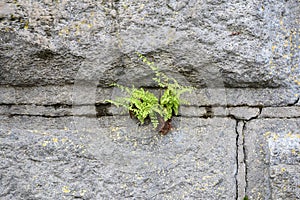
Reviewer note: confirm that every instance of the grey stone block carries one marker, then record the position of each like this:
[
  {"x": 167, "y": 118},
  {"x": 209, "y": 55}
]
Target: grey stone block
[
  {"x": 56, "y": 53},
  {"x": 260, "y": 97},
  {"x": 37, "y": 123},
  {"x": 285, "y": 181},
  {"x": 198, "y": 42},
  {"x": 280, "y": 112},
  {"x": 244, "y": 113},
  {"x": 242, "y": 97},
  {"x": 120, "y": 159},
  {"x": 117, "y": 111},
  {"x": 220, "y": 111},
  {"x": 45, "y": 95},
  {"x": 35, "y": 110},
  {"x": 192, "y": 111},
  {"x": 54, "y": 95},
  {"x": 272, "y": 144},
  {"x": 89, "y": 93},
  {"x": 7, "y": 95}
]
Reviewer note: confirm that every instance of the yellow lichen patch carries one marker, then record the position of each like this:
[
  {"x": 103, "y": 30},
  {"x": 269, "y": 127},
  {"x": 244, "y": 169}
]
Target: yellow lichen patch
[
  {"x": 135, "y": 144},
  {"x": 113, "y": 129},
  {"x": 297, "y": 82},
  {"x": 201, "y": 188},
  {"x": 281, "y": 22},
  {"x": 286, "y": 43},
  {"x": 125, "y": 6},
  {"x": 139, "y": 177},
  {"x": 142, "y": 6},
  {"x": 293, "y": 151},
  {"x": 26, "y": 25},
  {"x": 284, "y": 188},
  {"x": 206, "y": 177},
  {"x": 273, "y": 48},
  {"x": 45, "y": 143},
  {"x": 54, "y": 139},
  {"x": 283, "y": 169},
  {"x": 274, "y": 135},
  {"x": 64, "y": 140},
  {"x": 267, "y": 134},
  {"x": 288, "y": 135},
  {"x": 82, "y": 192},
  {"x": 286, "y": 56},
  {"x": 291, "y": 37},
  {"x": 66, "y": 189},
  {"x": 64, "y": 32}
]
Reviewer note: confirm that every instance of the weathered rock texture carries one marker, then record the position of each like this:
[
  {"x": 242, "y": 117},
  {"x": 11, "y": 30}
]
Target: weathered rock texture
[{"x": 239, "y": 136}]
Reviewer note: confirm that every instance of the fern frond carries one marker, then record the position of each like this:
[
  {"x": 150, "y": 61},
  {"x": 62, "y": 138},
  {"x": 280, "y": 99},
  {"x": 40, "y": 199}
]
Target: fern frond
[{"x": 145, "y": 104}]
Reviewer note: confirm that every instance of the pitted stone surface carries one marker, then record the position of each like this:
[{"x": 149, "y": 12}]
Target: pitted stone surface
[
  {"x": 58, "y": 59},
  {"x": 198, "y": 41},
  {"x": 244, "y": 113},
  {"x": 49, "y": 95},
  {"x": 121, "y": 160},
  {"x": 242, "y": 96},
  {"x": 272, "y": 158},
  {"x": 192, "y": 111},
  {"x": 281, "y": 112}
]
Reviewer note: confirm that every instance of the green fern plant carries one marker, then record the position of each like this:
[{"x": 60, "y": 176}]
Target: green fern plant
[
  {"x": 143, "y": 104},
  {"x": 170, "y": 100},
  {"x": 140, "y": 103}
]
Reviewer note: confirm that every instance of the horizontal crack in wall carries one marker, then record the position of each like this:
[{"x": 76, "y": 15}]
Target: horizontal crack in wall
[{"x": 105, "y": 109}]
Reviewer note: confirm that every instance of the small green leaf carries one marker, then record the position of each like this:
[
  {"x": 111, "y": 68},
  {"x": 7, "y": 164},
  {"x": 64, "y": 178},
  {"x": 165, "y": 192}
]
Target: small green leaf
[{"x": 246, "y": 198}]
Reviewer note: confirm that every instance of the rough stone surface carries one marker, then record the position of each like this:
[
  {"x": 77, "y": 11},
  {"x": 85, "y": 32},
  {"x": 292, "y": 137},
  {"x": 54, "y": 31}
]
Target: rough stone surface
[
  {"x": 242, "y": 97},
  {"x": 278, "y": 112},
  {"x": 35, "y": 110},
  {"x": 220, "y": 111},
  {"x": 238, "y": 113},
  {"x": 244, "y": 113},
  {"x": 189, "y": 111},
  {"x": 272, "y": 161},
  {"x": 51, "y": 95},
  {"x": 7, "y": 95},
  {"x": 52, "y": 40},
  {"x": 58, "y": 59},
  {"x": 37, "y": 122},
  {"x": 120, "y": 161},
  {"x": 88, "y": 94}
]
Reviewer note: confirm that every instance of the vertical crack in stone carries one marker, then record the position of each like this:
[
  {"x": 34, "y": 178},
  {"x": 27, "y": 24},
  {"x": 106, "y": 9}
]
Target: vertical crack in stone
[
  {"x": 241, "y": 174},
  {"x": 237, "y": 160},
  {"x": 245, "y": 157}
]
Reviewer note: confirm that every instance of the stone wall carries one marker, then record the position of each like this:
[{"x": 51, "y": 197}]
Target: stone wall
[{"x": 238, "y": 136}]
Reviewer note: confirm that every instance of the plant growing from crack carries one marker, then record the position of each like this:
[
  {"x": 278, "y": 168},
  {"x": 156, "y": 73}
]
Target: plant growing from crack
[
  {"x": 144, "y": 104},
  {"x": 246, "y": 198}
]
